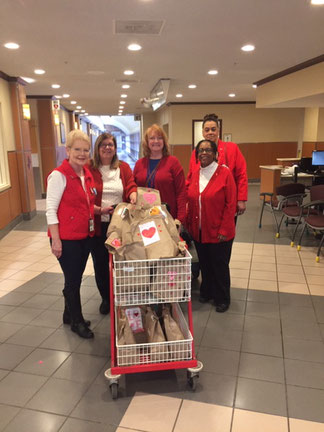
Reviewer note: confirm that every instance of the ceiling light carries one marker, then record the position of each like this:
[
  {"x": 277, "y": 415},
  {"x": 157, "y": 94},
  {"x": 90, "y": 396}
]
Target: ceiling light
[
  {"x": 232, "y": 95},
  {"x": 125, "y": 86},
  {"x": 317, "y": 2},
  {"x": 119, "y": 113},
  {"x": 11, "y": 45},
  {"x": 254, "y": 86},
  {"x": 39, "y": 71},
  {"x": 248, "y": 48},
  {"x": 58, "y": 97},
  {"x": 73, "y": 102},
  {"x": 86, "y": 113},
  {"x": 79, "y": 107},
  {"x": 213, "y": 72},
  {"x": 128, "y": 72},
  {"x": 192, "y": 86},
  {"x": 76, "y": 110},
  {"x": 121, "y": 107},
  {"x": 65, "y": 95},
  {"x": 83, "y": 111},
  {"x": 28, "y": 80},
  {"x": 122, "y": 102},
  {"x": 134, "y": 47},
  {"x": 123, "y": 95},
  {"x": 179, "y": 95},
  {"x": 55, "y": 86}
]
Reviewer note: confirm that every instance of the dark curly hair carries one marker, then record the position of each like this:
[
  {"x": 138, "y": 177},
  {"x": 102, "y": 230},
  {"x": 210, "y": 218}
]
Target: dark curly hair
[
  {"x": 211, "y": 117},
  {"x": 212, "y": 144}
]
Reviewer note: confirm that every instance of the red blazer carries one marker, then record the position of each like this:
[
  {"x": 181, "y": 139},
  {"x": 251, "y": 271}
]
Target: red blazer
[
  {"x": 218, "y": 206},
  {"x": 228, "y": 154},
  {"x": 169, "y": 180},
  {"x": 129, "y": 186},
  {"x": 76, "y": 206}
]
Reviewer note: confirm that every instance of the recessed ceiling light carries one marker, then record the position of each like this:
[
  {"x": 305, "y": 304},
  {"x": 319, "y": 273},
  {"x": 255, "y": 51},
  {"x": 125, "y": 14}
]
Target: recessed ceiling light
[
  {"x": 11, "y": 45},
  {"x": 254, "y": 86},
  {"x": 83, "y": 111},
  {"x": 55, "y": 86},
  {"x": 119, "y": 113},
  {"x": 134, "y": 47},
  {"x": 192, "y": 86},
  {"x": 76, "y": 110},
  {"x": 213, "y": 72},
  {"x": 125, "y": 86},
  {"x": 128, "y": 72},
  {"x": 58, "y": 97},
  {"x": 122, "y": 102},
  {"x": 232, "y": 95},
  {"x": 317, "y": 2},
  {"x": 66, "y": 95},
  {"x": 73, "y": 102},
  {"x": 123, "y": 95},
  {"x": 39, "y": 71},
  {"x": 79, "y": 107},
  {"x": 28, "y": 80},
  {"x": 179, "y": 95},
  {"x": 248, "y": 48},
  {"x": 86, "y": 113},
  {"x": 121, "y": 107}
]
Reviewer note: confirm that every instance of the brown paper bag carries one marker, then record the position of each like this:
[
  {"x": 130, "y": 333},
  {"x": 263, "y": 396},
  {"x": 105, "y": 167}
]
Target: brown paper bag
[
  {"x": 173, "y": 333},
  {"x": 159, "y": 352},
  {"x": 148, "y": 197}
]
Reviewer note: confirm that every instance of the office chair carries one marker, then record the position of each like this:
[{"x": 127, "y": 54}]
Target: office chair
[
  {"x": 287, "y": 196},
  {"x": 314, "y": 217}
]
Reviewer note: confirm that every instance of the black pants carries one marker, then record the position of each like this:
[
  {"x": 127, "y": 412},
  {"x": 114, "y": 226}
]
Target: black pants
[
  {"x": 73, "y": 260},
  {"x": 100, "y": 258},
  {"x": 214, "y": 264}
]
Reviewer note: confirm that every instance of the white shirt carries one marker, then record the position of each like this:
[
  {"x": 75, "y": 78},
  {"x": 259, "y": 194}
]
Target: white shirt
[
  {"x": 112, "y": 188},
  {"x": 205, "y": 174}
]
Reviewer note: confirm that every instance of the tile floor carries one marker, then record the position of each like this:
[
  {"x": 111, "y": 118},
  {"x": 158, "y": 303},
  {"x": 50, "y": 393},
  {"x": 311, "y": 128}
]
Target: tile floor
[{"x": 263, "y": 359}]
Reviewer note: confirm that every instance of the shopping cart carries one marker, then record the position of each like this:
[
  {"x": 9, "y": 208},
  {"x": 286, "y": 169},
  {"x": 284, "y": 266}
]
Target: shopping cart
[{"x": 151, "y": 282}]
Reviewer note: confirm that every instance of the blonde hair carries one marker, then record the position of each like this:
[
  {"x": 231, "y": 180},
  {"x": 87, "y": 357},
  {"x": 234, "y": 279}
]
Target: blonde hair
[
  {"x": 74, "y": 135},
  {"x": 159, "y": 131},
  {"x": 95, "y": 161}
]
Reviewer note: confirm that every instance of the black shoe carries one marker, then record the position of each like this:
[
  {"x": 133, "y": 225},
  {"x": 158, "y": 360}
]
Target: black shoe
[
  {"x": 67, "y": 319},
  {"x": 104, "y": 308},
  {"x": 204, "y": 299},
  {"x": 222, "y": 307},
  {"x": 82, "y": 330}
]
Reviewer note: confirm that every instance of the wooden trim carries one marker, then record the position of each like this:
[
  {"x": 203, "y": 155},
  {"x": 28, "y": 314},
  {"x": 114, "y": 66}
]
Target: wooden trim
[
  {"x": 291, "y": 70},
  {"x": 9, "y": 78}
]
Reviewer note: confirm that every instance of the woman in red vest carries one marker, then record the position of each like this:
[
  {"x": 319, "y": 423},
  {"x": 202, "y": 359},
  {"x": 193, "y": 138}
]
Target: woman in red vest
[
  {"x": 113, "y": 183},
  {"x": 70, "y": 219},
  {"x": 210, "y": 221}
]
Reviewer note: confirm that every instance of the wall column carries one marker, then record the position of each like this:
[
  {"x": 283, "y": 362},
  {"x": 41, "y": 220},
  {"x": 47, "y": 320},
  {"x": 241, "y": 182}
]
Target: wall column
[{"x": 23, "y": 149}]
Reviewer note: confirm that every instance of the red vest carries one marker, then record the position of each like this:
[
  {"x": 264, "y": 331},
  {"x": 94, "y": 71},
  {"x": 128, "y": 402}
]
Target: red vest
[{"x": 76, "y": 206}]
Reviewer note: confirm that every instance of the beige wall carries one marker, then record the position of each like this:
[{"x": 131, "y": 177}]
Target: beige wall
[
  {"x": 320, "y": 129},
  {"x": 8, "y": 127},
  {"x": 246, "y": 123},
  {"x": 311, "y": 124}
]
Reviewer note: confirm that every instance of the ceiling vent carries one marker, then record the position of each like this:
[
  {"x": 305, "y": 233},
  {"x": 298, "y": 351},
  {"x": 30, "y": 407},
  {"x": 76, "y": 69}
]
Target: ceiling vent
[
  {"x": 126, "y": 81},
  {"x": 138, "y": 27}
]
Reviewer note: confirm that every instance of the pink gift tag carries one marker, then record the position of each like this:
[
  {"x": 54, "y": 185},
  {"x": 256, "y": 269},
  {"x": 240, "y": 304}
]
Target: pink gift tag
[
  {"x": 134, "y": 317},
  {"x": 149, "y": 197}
]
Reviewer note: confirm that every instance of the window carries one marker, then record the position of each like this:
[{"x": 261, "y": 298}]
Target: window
[{"x": 4, "y": 170}]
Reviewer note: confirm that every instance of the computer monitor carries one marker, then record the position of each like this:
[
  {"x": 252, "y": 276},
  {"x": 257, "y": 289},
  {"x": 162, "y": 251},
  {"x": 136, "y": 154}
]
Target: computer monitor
[
  {"x": 318, "y": 158},
  {"x": 305, "y": 165}
]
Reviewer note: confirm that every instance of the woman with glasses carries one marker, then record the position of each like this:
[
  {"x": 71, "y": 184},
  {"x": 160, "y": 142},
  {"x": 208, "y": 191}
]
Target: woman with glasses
[
  {"x": 211, "y": 207},
  {"x": 113, "y": 183},
  {"x": 70, "y": 219},
  {"x": 158, "y": 170}
]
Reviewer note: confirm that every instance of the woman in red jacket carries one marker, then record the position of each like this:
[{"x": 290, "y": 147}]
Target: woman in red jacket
[
  {"x": 70, "y": 212},
  {"x": 210, "y": 221},
  {"x": 113, "y": 183},
  {"x": 158, "y": 170}
]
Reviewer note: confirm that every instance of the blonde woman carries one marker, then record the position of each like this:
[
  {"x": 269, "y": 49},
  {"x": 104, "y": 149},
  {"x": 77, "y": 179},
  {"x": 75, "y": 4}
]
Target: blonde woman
[
  {"x": 70, "y": 219},
  {"x": 158, "y": 170}
]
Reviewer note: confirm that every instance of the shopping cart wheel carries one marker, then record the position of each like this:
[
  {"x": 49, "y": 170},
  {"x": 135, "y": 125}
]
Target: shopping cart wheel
[
  {"x": 114, "y": 390},
  {"x": 192, "y": 381}
]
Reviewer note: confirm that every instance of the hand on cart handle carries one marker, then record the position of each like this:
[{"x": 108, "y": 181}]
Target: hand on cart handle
[
  {"x": 107, "y": 210},
  {"x": 133, "y": 197}
]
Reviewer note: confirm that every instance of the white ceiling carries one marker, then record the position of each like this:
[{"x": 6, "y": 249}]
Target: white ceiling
[{"x": 71, "y": 38}]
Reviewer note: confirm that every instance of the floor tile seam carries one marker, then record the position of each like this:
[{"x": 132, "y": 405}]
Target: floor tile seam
[{"x": 177, "y": 416}]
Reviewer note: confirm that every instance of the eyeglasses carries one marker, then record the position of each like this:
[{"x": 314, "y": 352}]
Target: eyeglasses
[
  {"x": 205, "y": 150},
  {"x": 103, "y": 145}
]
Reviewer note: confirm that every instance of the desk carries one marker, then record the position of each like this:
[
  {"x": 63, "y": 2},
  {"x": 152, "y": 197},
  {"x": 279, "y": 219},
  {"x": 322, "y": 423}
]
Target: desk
[
  {"x": 272, "y": 177},
  {"x": 287, "y": 161}
]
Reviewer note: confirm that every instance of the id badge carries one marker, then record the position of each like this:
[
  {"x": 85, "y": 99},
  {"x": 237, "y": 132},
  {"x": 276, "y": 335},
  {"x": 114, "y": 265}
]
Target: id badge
[{"x": 91, "y": 225}]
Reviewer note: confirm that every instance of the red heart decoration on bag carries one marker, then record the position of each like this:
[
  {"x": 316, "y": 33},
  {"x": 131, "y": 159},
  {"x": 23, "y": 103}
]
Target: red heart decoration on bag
[
  {"x": 116, "y": 242},
  {"x": 136, "y": 314},
  {"x": 149, "y": 233},
  {"x": 149, "y": 197}
]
